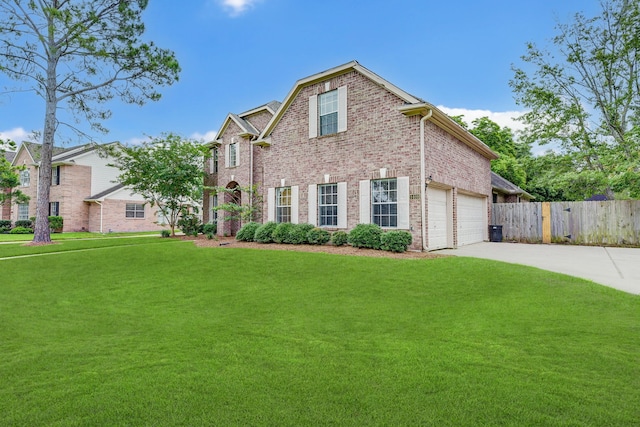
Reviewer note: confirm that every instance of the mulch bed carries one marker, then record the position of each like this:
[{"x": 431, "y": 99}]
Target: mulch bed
[{"x": 230, "y": 242}]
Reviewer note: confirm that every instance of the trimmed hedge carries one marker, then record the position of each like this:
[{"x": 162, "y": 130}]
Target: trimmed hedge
[
  {"x": 5, "y": 225},
  {"x": 298, "y": 234},
  {"x": 247, "y": 232},
  {"x": 282, "y": 232},
  {"x": 26, "y": 223},
  {"x": 339, "y": 238},
  {"x": 21, "y": 230},
  {"x": 365, "y": 236},
  {"x": 210, "y": 228},
  {"x": 395, "y": 241},
  {"x": 318, "y": 236},
  {"x": 264, "y": 233},
  {"x": 56, "y": 223}
]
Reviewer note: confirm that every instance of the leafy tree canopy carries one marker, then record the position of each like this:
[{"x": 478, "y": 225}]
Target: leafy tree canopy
[
  {"x": 583, "y": 94},
  {"x": 167, "y": 171},
  {"x": 76, "y": 55}
]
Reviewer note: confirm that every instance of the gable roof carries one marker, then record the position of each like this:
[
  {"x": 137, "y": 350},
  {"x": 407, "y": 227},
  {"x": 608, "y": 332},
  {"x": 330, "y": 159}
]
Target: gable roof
[
  {"x": 247, "y": 128},
  {"x": 413, "y": 106},
  {"x": 60, "y": 154},
  {"x": 505, "y": 186}
]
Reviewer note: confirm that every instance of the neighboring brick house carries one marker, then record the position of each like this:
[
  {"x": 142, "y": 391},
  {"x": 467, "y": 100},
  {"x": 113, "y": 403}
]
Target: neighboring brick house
[
  {"x": 505, "y": 191},
  {"x": 83, "y": 191},
  {"x": 348, "y": 147}
]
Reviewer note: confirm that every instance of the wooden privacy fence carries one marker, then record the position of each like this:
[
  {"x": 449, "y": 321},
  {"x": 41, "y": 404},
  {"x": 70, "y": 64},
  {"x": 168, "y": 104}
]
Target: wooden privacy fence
[{"x": 614, "y": 222}]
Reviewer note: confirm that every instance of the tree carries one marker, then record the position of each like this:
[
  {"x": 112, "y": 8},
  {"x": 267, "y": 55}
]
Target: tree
[
  {"x": 235, "y": 211},
  {"x": 584, "y": 96},
  {"x": 78, "y": 54},
  {"x": 167, "y": 171},
  {"x": 9, "y": 178}
]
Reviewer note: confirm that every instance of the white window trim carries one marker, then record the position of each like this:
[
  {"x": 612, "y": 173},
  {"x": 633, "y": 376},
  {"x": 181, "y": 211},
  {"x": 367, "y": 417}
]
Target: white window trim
[
  {"x": 21, "y": 215},
  {"x": 403, "y": 215},
  {"x": 342, "y": 113},
  {"x": 135, "y": 210}
]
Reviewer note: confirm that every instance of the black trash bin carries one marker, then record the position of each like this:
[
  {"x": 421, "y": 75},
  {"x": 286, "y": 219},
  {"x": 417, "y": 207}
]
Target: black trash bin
[{"x": 495, "y": 233}]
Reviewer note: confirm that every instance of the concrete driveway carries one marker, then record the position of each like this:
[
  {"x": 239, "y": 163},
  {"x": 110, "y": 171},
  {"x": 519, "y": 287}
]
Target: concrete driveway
[{"x": 618, "y": 268}]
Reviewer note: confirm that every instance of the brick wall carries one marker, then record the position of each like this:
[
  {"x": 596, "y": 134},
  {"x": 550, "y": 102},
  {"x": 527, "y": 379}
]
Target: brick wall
[
  {"x": 23, "y": 158},
  {"x": 378, "y": 136},
  {"x": 114, "y": 220},
  {"x": 75, "y": 186}
]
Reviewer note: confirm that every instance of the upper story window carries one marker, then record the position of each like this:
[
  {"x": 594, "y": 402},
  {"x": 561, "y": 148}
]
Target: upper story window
[
  {"x": 25, "y": 178},
  {"x": 283, "y": 204},
  {"x": 232, "y": 154},
  {"x": 328, "y": 205},
  {"x": 328, "y": 106},
  {"x": 328, "y": 112},
  {"x": 134, "y": 210},
  {"x": 55, "y": 175},
  {"x": 213, "y": 161},
  {"x": 384, "y": 202}
]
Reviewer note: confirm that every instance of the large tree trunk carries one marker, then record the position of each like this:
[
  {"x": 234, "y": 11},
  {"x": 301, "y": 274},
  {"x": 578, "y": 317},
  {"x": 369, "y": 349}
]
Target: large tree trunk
[{"x": 42, "y": 233}]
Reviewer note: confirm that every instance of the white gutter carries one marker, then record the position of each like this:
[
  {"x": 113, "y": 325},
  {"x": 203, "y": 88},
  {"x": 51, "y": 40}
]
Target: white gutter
[{"x": 423, "y": 180}]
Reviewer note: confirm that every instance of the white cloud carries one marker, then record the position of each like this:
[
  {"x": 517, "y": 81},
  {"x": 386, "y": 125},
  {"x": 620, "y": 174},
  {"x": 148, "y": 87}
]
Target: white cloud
[
  {"x": 17, "y": 135},
  {"x": 237, "y": 7},
  {"x": 504, "y": 118},
  {"x": 204, "y": 137}
]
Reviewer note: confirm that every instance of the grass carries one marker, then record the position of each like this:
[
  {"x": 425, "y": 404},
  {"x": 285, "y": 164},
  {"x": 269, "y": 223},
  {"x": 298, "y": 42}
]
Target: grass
[
  {"x": 72, "y": 235},
  {"x": 171, "y": 334}
]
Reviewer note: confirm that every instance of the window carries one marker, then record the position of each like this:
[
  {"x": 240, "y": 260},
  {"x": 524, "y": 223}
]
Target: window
[
  {"x": 134, "y": 210},
  {"x": 384, "y": 202},
  {"x": 54, "y": 209},
  {"x": 25, "y": 178},
  {"x": 213, "y": 202},
  {"x": 328, "y": 205},
  {"x": 233, "y": 154},
  {"x": 213, "y": 161},
  {"x": 328, "y": 106},
  {"x": 23, "y": 211},
  {"x": 283, "y": 204},
  {"x": 55, "y": 175}
]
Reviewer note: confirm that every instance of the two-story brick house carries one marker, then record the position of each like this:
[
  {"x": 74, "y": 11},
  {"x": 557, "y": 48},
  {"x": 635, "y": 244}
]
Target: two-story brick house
[
  {"x": 83, "y": 191},
  {"x": 348, "y": 147}
]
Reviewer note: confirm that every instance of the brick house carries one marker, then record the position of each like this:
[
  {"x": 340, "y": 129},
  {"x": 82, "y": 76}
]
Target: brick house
[
  {"x": 348, "y": 147},
  {"x": 505, "y": 191},
  {"x": 83, "y": 191}
]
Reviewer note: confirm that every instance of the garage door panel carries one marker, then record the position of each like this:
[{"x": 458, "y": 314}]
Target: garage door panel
[
  {"x": 472, "y": 219},
  {"x": 437, "y": 218}
]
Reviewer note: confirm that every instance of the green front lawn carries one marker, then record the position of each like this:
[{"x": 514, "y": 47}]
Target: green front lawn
[
  {"x": 171, "y": 334},
  {"x": 72, "y": 235}
]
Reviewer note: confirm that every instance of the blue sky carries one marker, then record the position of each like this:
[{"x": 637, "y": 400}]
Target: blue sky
[{"x": 239, "y": 54}]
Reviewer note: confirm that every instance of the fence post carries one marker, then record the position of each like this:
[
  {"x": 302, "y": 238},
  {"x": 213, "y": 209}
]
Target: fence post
[{"x": 546, "y": 222}]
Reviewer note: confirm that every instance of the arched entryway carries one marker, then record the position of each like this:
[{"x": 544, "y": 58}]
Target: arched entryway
[{"x": 232, "y": 220}]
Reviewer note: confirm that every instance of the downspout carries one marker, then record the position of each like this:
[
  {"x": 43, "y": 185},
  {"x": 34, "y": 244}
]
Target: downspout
[
  {"x": 100, "y": 204},
  {"x": 423, "y": 180},
  {"x": 251, "y": 177}
]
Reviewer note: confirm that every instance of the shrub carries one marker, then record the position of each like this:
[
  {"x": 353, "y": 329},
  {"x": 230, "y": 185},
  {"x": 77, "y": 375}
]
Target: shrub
[
  {"x": 210, "y": 228},
  {"x": 339, "y": 238},
  {"x": 26, "y": 223},
  {"x": 281, "y": 232},
  {"x": 190, "y": 224},
  {"x": 56, "y": 223},
  {"x": 21, "y": 230},
  {"x": 247, "y": 232},
  {"x": 264, "y": 233},
  {"x": 5, "y": 225},
  {"x": 165, "y": 233},
  {"x": 298, "y": 234},
  {"x": 318, "y": 236},
  {"x": 365, "y": 236},
  {"x": 395, "y": 241}
]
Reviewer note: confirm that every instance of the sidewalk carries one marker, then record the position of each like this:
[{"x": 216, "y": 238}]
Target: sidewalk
[{"x": 618, "y": 268}]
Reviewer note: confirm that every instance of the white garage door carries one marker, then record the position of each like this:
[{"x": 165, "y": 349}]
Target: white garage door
[
  {"x": 472, "y": 219},
  {"x": 437, "y": 218}
]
